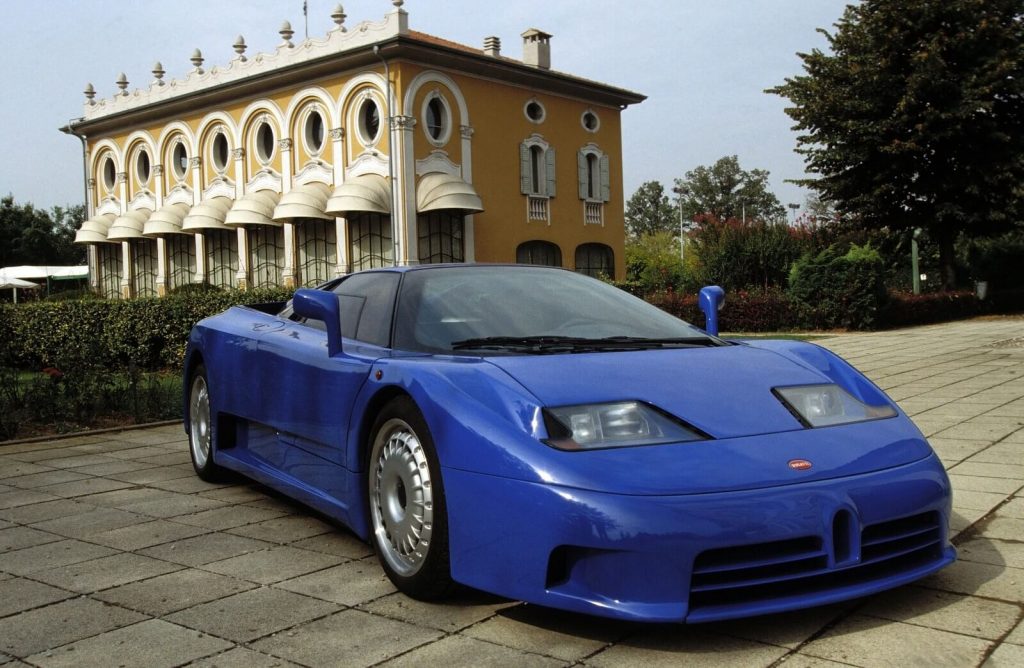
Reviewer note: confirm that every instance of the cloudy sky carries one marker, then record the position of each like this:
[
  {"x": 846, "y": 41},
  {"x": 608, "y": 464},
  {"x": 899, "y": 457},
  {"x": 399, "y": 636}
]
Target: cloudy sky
[{"x": 703, "y": 65}]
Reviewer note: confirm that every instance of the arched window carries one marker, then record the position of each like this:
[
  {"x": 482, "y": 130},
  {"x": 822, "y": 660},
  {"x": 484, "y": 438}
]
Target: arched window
[
  {"x": 539, "y": 252},
  {"x": 593, "y": 176},
  {"x": 595, "y": 260}
]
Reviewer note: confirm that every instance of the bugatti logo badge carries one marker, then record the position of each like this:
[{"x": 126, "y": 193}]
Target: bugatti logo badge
[{"x": 799, "y": 464}]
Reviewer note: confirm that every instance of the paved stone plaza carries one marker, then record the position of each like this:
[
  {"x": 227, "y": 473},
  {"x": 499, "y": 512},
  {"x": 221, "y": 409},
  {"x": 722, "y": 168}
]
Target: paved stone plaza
[{"x": 112, "y": 553}]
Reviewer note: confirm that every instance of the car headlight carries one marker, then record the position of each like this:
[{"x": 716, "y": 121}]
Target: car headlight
[
  {"x": 614, "y": 425},
  {"x": 826, "y": 405}
]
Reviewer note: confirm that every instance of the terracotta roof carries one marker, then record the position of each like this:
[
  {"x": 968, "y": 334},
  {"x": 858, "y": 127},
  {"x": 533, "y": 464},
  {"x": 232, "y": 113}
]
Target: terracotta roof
[
  {"x": 439, "y": 41},
  {"x": 431, "y": 39}
]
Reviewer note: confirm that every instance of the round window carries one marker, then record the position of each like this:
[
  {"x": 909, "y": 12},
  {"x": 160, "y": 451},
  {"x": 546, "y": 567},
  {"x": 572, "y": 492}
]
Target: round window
[
  {"x": 314, "y": 132},
  {"x": 534, "y": 111},
  {"x": 436, "y": 119},
  {"x": 590, "y": 121},
  {"x": 109, "y": 174},
  {"x": 265, "y": 143},
  {"x": 220, "y": 152},
  {"x": 142, "y": 167},
  {"x": 179, "y": 160},
  {"x": 369, "y": 121}
]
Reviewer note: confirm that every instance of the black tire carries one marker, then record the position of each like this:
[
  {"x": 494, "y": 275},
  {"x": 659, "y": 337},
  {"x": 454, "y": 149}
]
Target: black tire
[
  {"x": 201, "y": 436},
  {"x": 403, "y": 475}
]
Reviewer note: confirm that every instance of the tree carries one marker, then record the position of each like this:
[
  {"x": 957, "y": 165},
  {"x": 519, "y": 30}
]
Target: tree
[
  {"x": 726, "y": 191},
  {"x": 649, "y": 211},
  {"x": 916, "y": 117},
  {"x": 32, "y": 236}
]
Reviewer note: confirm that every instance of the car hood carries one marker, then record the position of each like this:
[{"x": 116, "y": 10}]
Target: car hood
[{"x": 723, "y": 391}]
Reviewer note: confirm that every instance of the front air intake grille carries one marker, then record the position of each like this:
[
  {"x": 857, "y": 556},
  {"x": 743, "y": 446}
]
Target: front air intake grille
[{"x": 763, "y": 572}]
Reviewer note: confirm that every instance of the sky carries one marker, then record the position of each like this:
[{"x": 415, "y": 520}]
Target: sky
[{"x": 703, "y": 65}]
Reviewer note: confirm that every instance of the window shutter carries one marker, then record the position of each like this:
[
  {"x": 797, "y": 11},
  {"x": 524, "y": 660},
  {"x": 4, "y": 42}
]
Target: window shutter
[
  {"x": 549, "y": 172},
  {"x": 524, "y": 169},
  {"x": 581, "y": 168},
  {"x": 606, "y": 188}
]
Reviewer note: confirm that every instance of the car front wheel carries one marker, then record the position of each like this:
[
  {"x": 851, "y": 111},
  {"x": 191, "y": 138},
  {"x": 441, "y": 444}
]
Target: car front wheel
[{"x": 408, "y": 516}]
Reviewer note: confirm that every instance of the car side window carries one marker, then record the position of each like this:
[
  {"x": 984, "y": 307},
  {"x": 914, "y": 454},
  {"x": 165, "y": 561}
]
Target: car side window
[{"x": 367, "y": 302}]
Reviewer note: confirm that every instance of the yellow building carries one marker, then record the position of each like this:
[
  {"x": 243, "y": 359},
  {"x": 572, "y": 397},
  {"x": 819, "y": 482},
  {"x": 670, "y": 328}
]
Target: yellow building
[{"x": 283, "y": 168}]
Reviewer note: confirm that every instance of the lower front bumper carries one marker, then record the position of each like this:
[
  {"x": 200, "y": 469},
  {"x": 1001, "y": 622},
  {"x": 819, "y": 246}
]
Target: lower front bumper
[{"x": 699, "y": 557}]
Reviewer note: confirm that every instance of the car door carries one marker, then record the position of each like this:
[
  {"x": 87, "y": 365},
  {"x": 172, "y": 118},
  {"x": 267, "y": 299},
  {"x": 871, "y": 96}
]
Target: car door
[{"x": 308, "y": 395}]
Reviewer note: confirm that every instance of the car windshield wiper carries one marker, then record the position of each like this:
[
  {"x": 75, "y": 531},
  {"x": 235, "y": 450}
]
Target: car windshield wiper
[{"x": 555, "y": 344}]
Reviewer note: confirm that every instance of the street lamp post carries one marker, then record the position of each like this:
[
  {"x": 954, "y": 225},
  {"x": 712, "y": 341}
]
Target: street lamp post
[{"x": 795, "y": 207}]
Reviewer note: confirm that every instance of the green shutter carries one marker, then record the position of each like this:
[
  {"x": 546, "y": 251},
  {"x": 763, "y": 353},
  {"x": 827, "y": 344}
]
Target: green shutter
[
  {"x": 524, "y": 169},
  {"x": 549, "y": 172},
  {"x": 581, "y": 166},
  {"x": 606, "y": 188}
]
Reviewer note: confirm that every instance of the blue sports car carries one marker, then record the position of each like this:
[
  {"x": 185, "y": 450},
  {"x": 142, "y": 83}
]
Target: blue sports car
[{"x": 544, "y": 436}]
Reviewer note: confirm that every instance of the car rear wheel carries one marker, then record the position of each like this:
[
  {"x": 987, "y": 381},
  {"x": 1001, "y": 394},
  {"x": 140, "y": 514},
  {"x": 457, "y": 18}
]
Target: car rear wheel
[
  {"x": 200, "y": 427},
  {"x": 408, "y": 517}
]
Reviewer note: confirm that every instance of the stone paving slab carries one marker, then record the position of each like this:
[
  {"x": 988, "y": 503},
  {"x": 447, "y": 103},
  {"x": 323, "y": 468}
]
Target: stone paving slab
[{"x": 112, "y": 552}]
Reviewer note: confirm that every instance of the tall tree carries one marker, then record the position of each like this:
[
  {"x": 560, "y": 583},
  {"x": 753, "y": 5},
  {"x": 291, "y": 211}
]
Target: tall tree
[
  {"x": 649, "y": 211},
  {"x": 725, "y": 190},
  {"x": 916, "y": 117},
  {"x": 32, "y": 236}
]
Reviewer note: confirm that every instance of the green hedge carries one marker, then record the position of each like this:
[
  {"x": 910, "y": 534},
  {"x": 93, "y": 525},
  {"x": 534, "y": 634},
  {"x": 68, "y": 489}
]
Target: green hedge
[
  {"x": 137, "y": 333},
  {"x": 839, "y": 287}
]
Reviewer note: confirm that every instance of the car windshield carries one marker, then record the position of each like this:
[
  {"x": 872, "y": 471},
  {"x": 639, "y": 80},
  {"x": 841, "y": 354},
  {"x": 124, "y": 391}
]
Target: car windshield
[{"x": 517, "y": 309}]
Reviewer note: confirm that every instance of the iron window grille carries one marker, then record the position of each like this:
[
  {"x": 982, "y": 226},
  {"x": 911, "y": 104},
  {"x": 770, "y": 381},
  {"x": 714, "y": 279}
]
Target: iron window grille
[
  {"x": 595, "y": 260},
  {"x": 221, "y": 258},
  {"x": 109, "y": 260},
  {"x": 266, "y": 255},
  {"x": 539, "y": 252},
  {"x": 181, "y": 259},
  {"x": 317, "y": 243},
  {"x": 441, "y": 237},
  {"x": 369, "y": 242},
  {"x": 144, "y": 261}
]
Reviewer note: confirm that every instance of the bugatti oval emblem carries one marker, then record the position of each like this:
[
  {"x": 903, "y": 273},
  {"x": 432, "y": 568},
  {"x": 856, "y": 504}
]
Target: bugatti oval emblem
[{"x": 799, "y": 464}]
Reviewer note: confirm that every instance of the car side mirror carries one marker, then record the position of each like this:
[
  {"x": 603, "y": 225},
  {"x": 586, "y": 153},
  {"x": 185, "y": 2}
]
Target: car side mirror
[
  {"x": 711, "y": 299},
  {"x": 322, "y": 306}
]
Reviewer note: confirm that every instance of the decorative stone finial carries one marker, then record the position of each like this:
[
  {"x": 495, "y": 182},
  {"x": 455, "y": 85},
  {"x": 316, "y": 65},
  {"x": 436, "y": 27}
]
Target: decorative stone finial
[
  {"x": 122, "y": 83},
  {"x": 197, "y": 61},
  {"x": 158, "y": 73},
  {"x": 286, "y": 33},
  {"x": 90, "y": 94},
  {"x": 239, "y": 47},
  {"x": 338, "y": 16},
  {"x": 398, "y": 3}
]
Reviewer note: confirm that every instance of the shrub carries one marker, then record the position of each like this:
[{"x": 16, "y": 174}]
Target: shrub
[
  {"x": 768, "y": 310},
  {"x": 997, "y": 260},
  {"x": 653, "y": 265},
  {"x": 904, "y": 309},
  {"x": 839, "y": 289},
  {"x": 737, "y": 255},
  {"x": 140, "y": 333}
]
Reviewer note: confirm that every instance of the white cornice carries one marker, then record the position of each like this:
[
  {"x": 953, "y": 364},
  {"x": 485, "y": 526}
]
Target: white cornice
[{"x": 336, "y": 42}]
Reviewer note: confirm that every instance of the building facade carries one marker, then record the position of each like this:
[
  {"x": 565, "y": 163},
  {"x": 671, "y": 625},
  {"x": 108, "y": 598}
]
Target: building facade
[{"x": 371, "y": 146}]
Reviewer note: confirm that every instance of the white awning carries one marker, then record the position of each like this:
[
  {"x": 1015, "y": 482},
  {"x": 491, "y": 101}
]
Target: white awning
[
  {"x": 367, "y": 192},
  {"x": 94, "y": 230},
  {"x": 8, "y": 283},
  {"x": 256, "y": 208},
  {"x": 166, "y": 220},
  {"x": 35, "y": 272},
  {"x": 208, "y": 215},
  {"x": 128, "y": 225},
  {"x": 437, "y": 191},
  {"x": 305, "y": 201}
]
